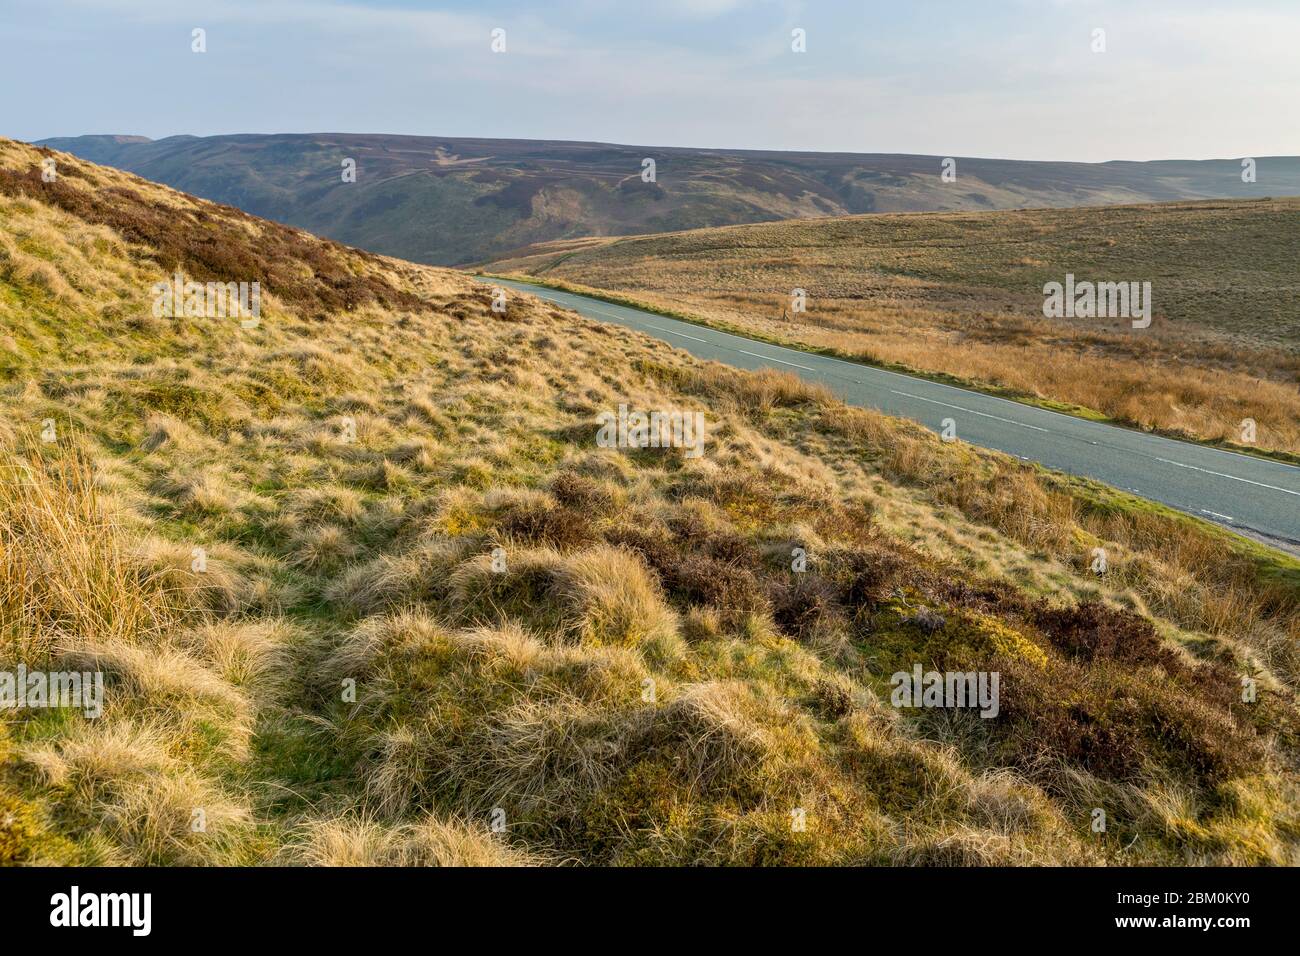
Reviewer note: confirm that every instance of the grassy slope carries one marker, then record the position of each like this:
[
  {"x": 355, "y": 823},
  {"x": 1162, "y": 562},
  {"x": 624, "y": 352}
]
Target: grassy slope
[
  {"x": 960, "y": 296},
  {"x": 647, "y": 681}
]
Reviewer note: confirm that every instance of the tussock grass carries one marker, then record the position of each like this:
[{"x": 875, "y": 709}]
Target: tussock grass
[
  {"x": 388, "y": 580},
  {"x": 352, "y": 677},
  {"x": 124, "y": 785},
  {"x": 355, "y": 841},
  {"x": 600, "y": 597},
  {"x": 67, "y": 576}
]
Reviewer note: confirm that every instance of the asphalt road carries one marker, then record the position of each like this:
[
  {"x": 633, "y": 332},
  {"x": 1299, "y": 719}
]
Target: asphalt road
[{"x": 1251, "y": 495}]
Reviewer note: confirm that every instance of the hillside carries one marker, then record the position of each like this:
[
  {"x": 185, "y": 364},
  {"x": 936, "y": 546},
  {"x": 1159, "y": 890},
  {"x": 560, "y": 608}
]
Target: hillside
[
  {"x": 961, "y": 295},
  {"x": 456, "y": 201},
  {"x": 365, "y": 587}
]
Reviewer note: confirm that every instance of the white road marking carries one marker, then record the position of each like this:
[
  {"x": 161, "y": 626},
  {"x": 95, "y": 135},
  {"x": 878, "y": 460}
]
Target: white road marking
[
  {"x": 1219, "y": 474},
  {"x": 1009, "y": 421},
  {"x": 1205, "y": 511},
  {"x": 612, "y": 315},
  {"x": 732, "y": 348},
  {"x": 682, "y": 334},
  {"x": 768, "y": 358}
]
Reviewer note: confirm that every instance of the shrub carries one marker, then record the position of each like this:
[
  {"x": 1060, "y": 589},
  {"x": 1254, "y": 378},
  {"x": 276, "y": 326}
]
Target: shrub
[{"x": 805, "y": 604}]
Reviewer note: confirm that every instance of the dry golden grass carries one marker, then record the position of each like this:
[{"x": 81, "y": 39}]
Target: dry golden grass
[
  {"x": 348, "y": 681},
  {"x": 359, "y": 842},
  {"x": 66, "y": 575}
]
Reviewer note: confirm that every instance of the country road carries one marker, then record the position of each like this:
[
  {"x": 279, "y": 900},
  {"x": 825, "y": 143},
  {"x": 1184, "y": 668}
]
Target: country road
[{"x": 1251, "y": 495}]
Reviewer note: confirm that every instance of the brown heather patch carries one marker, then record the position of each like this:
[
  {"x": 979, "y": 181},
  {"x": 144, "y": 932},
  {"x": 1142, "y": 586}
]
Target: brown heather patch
[
  {"x": 1092, "y": 631},
  {"x": 315, "y": 277},
  {"x": 692, "y": 575},
  {"x": 544, "y": 523},
  {"x": 580, "y": 494},
  {"x": 806, "y": 604},
  {"x": 1121, "y": 725}
]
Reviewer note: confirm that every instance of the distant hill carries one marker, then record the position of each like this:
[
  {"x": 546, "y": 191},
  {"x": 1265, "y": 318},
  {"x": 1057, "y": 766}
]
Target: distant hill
[{"x": 455, "y": 201}]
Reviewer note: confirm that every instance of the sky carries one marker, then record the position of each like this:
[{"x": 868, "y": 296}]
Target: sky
[{"x": 1019, "y": 79}]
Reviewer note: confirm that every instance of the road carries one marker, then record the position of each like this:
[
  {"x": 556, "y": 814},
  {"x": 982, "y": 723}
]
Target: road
[{"x": 1254, "y": 496}]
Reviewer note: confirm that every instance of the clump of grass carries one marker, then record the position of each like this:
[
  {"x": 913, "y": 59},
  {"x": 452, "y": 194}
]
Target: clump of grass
[
  {"x": 422, "y": 573},
  {"x": 357, "y": 841},
  {"x": 67, "y": 574},
  {"x": 599, "y": 597},
  {"x": 121, "y": 781},
  {"x": 322, "y": 547}
]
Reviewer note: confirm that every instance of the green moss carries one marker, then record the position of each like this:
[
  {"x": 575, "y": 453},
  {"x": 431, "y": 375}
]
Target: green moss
[
  {"x": 25, "y": 837},
  {"x": 897, "y": 640}
]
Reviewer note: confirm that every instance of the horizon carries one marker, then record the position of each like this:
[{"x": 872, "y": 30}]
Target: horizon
[{"x": 718, "y": 149}]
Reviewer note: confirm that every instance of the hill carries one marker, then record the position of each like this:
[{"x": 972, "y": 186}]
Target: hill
[
  {"x": 455, "y": 201},
  {"x": 365, "y": 584},
  {"x": 960, "y": 295}
]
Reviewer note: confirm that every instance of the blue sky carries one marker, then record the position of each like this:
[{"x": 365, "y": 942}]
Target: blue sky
[{"x": 1004, "y": 78}]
